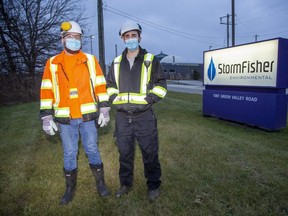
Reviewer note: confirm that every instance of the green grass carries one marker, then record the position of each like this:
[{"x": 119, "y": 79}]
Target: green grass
[{"x": 209, "y": 167}]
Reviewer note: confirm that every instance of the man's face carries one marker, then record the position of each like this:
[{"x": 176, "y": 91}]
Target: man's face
[{"x": 72, "y": 42}]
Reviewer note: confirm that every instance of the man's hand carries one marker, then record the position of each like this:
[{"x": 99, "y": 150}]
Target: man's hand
[
  {"x": 104, "y": 117},
  {"x": 49, "y": 125}
]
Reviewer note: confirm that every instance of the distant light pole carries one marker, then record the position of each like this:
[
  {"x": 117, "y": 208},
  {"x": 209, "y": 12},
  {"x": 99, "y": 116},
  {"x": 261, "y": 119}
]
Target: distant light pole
[
  {"x": 116, "y": 52},
  {"x": 91, "y": 37}
]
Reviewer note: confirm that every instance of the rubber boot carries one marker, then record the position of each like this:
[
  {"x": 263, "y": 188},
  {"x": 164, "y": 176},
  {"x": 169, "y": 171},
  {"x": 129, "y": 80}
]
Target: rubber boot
[
  {"x": 98, "y": 173},
  {"x": 71, "y": 180}
]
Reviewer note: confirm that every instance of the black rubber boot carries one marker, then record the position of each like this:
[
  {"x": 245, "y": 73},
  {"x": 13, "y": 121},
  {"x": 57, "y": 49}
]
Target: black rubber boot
[
  {"x": 98, "y": 173},
  {"x": 153, "y": 194},
  {"x": 71, "y": 180},
  {"x": 122, "y": 191}
]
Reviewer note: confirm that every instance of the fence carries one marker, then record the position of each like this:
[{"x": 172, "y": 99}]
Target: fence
[{"x": 19, "y": 88}]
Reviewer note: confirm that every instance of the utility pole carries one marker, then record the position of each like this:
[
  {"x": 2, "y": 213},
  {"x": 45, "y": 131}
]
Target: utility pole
[
  {"x": 233, "y": 22},
  {"x": 101, "y": 36},
  {"x": 116, "y": 52},
  {"x": 227, "y": 23},
  {"x": 256, "y": 37}
]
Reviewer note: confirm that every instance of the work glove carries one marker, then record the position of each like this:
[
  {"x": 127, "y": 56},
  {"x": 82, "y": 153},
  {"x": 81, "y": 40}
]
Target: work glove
[
  {"x": 104, "y": 117},
  {"x": 49, "y": 125}
]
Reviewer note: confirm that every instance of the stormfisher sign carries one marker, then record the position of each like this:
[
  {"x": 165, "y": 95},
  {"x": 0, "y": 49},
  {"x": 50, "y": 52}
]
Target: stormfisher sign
[
  {"x": 249, "y": 65},
  {"x": 248, "y": 83}
]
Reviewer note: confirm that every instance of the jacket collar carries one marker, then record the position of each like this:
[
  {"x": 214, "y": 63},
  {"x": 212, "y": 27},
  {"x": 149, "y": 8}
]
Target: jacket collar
[
  {"x": 59, "y": 59},
  {"x": 141, "y": 52}
]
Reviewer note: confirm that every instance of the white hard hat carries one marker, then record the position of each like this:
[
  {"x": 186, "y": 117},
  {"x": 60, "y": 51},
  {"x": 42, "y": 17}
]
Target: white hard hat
[
  {"x": 129, "y": 26},
  {"x": 70, "y": 26}
]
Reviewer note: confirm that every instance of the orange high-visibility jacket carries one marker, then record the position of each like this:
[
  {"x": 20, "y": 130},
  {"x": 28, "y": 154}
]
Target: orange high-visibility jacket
[{"x": 56, "y": 91}]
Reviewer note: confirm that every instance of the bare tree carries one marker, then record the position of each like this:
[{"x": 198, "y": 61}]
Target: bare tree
[{"x": 30, "y": 32}]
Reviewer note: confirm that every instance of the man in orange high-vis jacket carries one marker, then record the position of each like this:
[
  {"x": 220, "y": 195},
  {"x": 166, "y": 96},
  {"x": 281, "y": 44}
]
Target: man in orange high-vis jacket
[{"x": 74, "y": 100}]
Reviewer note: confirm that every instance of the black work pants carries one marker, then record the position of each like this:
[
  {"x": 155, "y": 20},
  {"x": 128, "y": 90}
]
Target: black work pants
[{"x": 142, "y": 128}]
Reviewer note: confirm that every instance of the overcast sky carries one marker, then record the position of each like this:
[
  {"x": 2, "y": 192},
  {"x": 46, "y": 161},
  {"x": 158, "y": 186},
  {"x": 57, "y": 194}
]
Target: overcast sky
[{"x": 186, "y": 28}]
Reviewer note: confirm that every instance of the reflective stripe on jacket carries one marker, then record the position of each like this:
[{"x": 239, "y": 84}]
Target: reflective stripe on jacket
[
  {"x": 135, "y": 90},
  {"x": 56, "y": 92}
]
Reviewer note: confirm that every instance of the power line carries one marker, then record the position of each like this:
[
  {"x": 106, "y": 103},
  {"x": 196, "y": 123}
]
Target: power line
[
  {"x": 260, "y": 13},
  {"x": 154, "y": 24},
  {"x": 275, "y": 33},
  {"x": 158, "y": 27}
]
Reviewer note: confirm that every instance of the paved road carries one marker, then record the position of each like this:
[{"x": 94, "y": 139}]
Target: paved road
[{"x": 187, "y": 86}]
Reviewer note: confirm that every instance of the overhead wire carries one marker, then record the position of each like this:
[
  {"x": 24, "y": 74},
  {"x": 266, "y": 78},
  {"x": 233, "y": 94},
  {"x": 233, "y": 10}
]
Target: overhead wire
[
  {"x": 157, "y": 26},
  {"x": 187, "y": 35},
  {"x": 271, "y": 9}
]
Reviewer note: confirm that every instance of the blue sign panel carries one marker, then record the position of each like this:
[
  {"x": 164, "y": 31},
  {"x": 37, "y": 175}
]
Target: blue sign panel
[
  {"x": 247, "y": 83},
  {"x": 264, "y": 110}
]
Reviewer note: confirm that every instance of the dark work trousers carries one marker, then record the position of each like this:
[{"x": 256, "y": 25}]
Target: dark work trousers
[{"x": 142, "y": 128}]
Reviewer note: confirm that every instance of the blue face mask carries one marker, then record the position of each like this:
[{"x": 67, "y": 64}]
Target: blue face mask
[
  {"x": 73, "y": 44},
  {"x": 132, "y": 44}
]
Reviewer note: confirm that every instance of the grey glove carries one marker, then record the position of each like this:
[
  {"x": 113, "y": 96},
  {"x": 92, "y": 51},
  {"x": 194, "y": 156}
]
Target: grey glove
[
  {"x": 104, "y": 117},
  {"x": 49, "y": 125}
]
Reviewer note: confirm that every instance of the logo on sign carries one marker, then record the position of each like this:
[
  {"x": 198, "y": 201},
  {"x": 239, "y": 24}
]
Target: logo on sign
[{"x": 211, "y": 73}]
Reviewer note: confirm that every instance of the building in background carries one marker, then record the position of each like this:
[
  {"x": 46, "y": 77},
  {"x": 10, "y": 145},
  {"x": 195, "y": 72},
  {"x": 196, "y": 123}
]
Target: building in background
[{"x": 175, "y": 68}]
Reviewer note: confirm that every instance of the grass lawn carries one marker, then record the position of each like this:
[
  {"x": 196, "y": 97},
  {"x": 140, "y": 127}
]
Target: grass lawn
[{"x": 209, "y": 167}]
